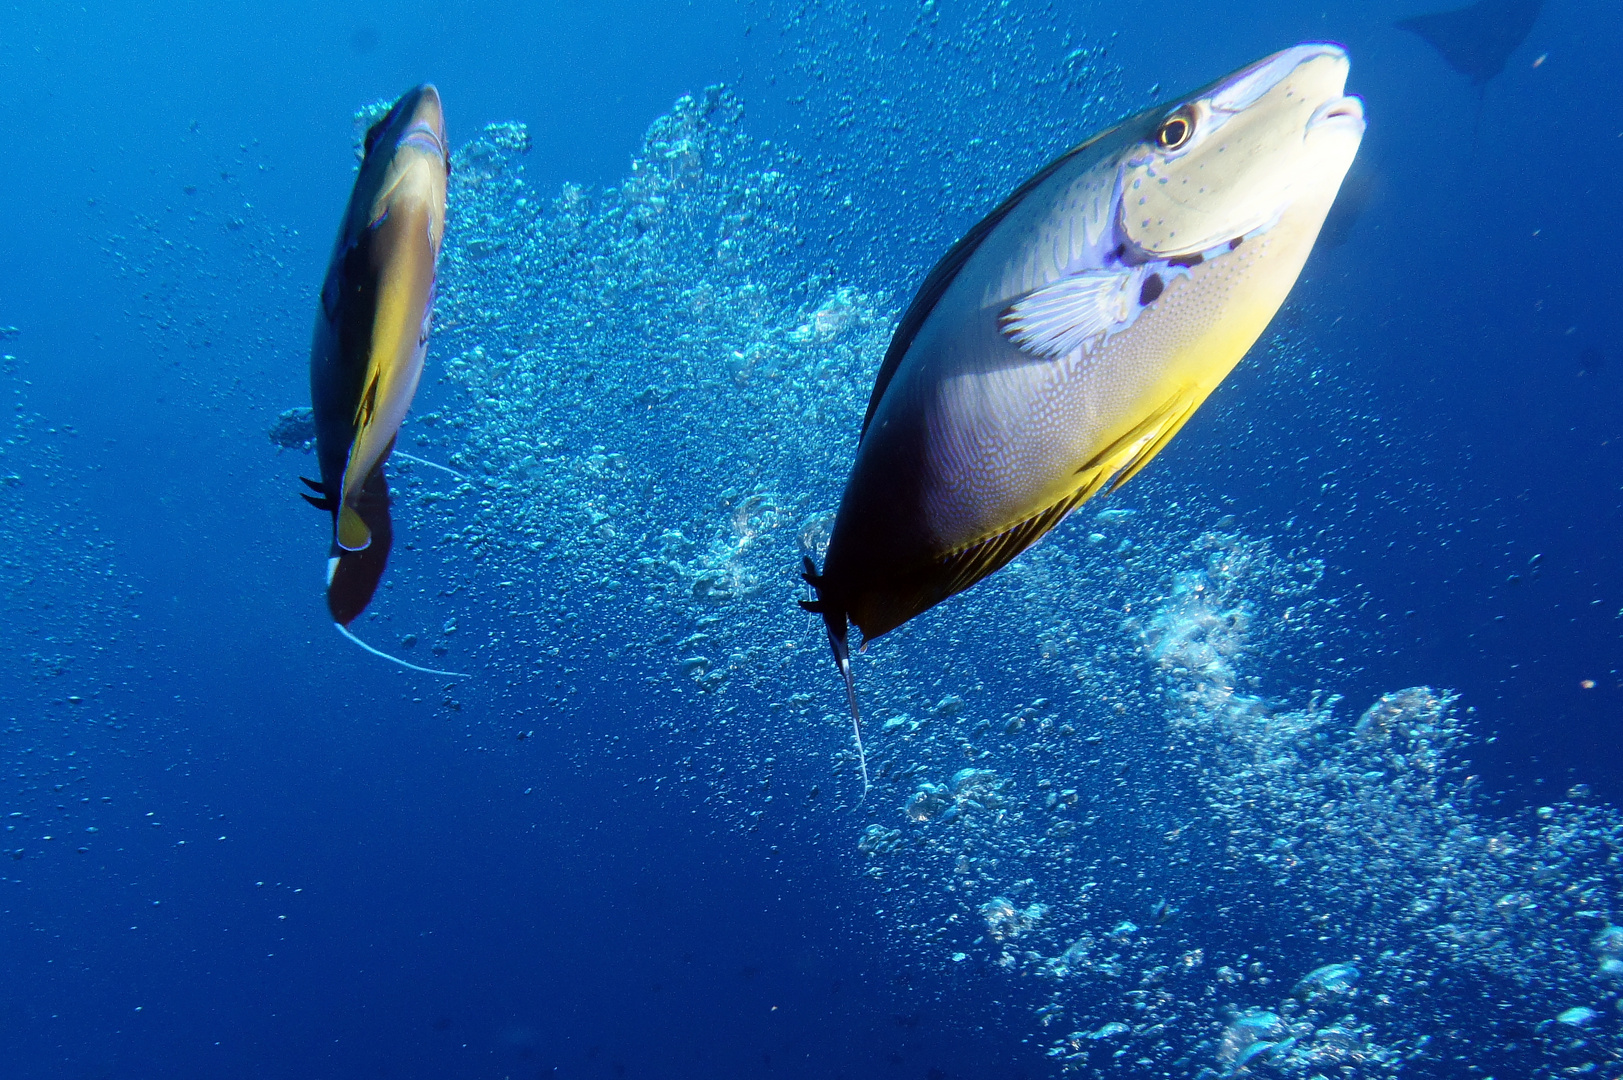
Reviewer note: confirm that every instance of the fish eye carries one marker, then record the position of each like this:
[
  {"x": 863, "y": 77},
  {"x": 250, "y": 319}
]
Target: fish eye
[{"x": 1175, "y": 131}]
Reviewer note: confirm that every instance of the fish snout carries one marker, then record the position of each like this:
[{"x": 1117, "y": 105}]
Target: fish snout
[
  {"x": 425, "y": 130},
  {"x": 1313, "y": 60}
]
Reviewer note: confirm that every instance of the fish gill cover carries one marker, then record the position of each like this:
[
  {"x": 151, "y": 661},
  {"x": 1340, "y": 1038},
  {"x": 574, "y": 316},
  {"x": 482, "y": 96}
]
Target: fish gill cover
[{"x": 1137, "y": 805}]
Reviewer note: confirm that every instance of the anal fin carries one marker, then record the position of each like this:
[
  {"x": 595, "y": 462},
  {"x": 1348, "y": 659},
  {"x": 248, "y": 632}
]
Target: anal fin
[
  {"x": 964, "y": 568},
  {"x": 1120, "y": 461},
  {"x": 353, "y": 576},
  {"x": 1108, "y": 469}
]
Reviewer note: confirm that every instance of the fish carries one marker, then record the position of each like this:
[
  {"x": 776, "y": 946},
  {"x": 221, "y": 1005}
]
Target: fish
[
  {"x": 1477, "y": 40},
  {"x": 371, "y": 337},
  {"x": 295, "y": 429},
  {"x": 1070, "y": 334}
]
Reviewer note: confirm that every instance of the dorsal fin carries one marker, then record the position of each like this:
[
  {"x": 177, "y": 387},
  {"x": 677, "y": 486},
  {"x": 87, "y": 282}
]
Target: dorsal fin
[
  {"x": 424, "y": 461},
  {"x": 946, "y": 272}
]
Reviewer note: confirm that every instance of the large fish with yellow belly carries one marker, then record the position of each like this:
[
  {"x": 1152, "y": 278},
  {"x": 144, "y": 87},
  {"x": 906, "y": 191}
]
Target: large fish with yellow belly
[
  {"x": 1066, "y": 339},
  {"x": 371, "y": 336}
]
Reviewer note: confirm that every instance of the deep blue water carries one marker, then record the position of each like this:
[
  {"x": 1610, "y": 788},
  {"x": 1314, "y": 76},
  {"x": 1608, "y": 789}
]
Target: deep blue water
[{"x": 243, "y": 848}]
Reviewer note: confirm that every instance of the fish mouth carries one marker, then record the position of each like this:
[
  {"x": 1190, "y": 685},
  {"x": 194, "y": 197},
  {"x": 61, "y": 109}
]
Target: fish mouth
[
  {"x": 421, "y": 136},
  {"x": 1348, "y": 110}
]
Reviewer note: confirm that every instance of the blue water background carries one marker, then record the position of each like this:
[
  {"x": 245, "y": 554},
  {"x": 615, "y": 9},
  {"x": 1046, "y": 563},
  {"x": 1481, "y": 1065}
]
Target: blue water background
[{"x": 405, "y": 889}]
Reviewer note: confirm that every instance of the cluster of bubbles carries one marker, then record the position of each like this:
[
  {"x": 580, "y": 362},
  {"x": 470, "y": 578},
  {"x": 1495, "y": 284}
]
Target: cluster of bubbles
[
  {"x": 1080, "y": 783},
  {"x": 1110, "y": 779},
  {"x": 914, "y": 119},
  {"x": 66, "y": 611}
]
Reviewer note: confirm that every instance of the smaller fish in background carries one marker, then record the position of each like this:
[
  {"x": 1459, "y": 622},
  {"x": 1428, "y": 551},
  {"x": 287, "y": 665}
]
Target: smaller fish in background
[
  {"x": 370, "y": 340},
  {"x": 1591, "y": 360},
  {"x": 295, "y": 429}
]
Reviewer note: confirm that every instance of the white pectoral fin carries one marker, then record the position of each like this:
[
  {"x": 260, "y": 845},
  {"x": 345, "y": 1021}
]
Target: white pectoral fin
[{"x": 1071, "y": 313}]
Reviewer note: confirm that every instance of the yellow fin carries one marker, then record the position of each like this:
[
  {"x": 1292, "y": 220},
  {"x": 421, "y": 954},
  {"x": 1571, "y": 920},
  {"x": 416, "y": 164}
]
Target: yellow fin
[
  {"x": 1109, "y": 469},
  {"x": 1173, "y": 424},
  {"x": 353, "y": 535},
  {"x": 961, "y": 569},
  {"x": 1119, "y": 462}
]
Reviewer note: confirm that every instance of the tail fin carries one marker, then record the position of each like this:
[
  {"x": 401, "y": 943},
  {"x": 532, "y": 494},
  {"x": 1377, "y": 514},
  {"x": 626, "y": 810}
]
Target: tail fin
[
  {"x": 425, "y": 461},
  {"x": 839, "y": 631},
  {"x": 347, "y": 632},
  {"x": 837, "y": 640}
]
